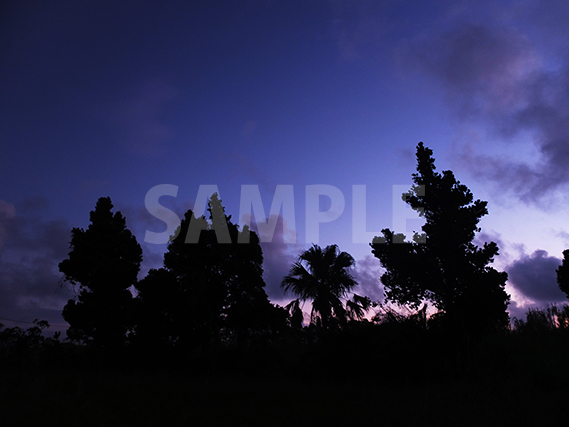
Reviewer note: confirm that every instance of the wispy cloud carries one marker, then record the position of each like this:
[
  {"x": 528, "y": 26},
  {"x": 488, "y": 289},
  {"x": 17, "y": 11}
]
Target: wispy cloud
[{"x": 493, "y": 78}]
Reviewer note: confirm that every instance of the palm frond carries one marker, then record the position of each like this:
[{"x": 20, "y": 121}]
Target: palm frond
[{"x": 323, "y": 276}]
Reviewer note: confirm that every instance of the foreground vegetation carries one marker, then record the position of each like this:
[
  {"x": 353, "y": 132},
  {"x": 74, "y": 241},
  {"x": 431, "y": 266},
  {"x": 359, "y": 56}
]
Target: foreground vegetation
[
  {"x": 396, "y": 370},
  {"x": 130, "y": 399}
]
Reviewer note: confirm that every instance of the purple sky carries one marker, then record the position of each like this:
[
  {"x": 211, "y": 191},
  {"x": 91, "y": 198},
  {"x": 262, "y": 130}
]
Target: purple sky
[{"x": 114, "y": 98}]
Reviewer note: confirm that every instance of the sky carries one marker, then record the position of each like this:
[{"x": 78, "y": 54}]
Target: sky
[{"x": 103, "y": 98}]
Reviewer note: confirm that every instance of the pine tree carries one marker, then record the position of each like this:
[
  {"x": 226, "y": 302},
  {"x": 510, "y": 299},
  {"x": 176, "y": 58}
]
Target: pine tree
[
  {"x": 563, "y": 273},
  {"x": 442, "y": 264},
  {"x": 103, "y": 263},
  {"x": 217, "y": 283}
]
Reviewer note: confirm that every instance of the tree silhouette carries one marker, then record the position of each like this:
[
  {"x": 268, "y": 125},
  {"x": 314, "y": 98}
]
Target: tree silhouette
[
  {"x": 211, "y": 288},
  {"x": 104, "y": 262},
  {"x": 161, "y": 310},
  {"x": 295, "y": 315},
  {"x": 442, "y": 264},
  {"x": 563, "y": 273},
  {"x": 323, "y": 276},
  {"x": 357, "y": 307}
]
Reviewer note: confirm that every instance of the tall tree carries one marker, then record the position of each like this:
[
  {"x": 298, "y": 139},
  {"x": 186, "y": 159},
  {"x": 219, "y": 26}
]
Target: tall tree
[
  {"x": 217, "y": 281},
  {"x": 442, "y": 264},
  {"x": 563, "y": 273},
  {"x": 323, "y": 276},
  {"x": 103, "y": 263}
]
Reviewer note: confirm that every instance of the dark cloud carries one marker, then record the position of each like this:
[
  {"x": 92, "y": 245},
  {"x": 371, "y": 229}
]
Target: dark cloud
[
  {"x": 492, "y": 76},
  {"x": 32, "y": 247},
  {"x": 543, "y": 114},
  {"x": 30, "y": 290},
  {"x": 478, "y": 66},
  {"x": 30, "y": 282},
  {"x": 31, "y": 234},
  {"x": 534, "y": 276}
]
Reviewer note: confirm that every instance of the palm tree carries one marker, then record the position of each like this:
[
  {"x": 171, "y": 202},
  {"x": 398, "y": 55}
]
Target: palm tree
[
  {"x": 323, "y": 276},
  {"x": 357, "y": 307}
]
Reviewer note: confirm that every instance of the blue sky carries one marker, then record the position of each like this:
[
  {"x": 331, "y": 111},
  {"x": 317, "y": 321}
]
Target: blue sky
[{"x": 112, "y": 99}]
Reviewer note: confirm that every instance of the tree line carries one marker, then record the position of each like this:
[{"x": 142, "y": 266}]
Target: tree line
[{"x": 210, "y": 295}]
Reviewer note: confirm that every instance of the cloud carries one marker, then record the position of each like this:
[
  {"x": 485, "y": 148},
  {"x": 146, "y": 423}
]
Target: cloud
[
  {"x": 29, "y": 276},
  {"x": 278, "y": 257},
  {"x": 535, "y": 277},
  {"x": 516, "y": 310},
  {"x": 507, "y": 251},
  {"x": 367, "y": 273},
  {"x": 486, "y": 237},
  {"x": 494, "y": 78},
  {"x": 480, "y": 67}
]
